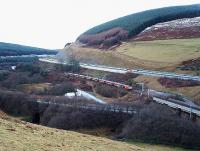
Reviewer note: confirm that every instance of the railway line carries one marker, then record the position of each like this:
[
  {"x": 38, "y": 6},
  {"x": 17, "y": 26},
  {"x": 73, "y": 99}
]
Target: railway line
[
  {"x": 111, "y": 83},
  {"x": 97, "y": 107},
  {"x": 172, "y": 103},
  {"x": 183, "y": 107}
]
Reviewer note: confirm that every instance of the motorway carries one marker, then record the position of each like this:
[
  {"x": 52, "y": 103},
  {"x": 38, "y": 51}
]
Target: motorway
[
  {"x": 166, "y": 74},
  {"x": 135, "y": 71},
  {"x": 141, "y": 72}
]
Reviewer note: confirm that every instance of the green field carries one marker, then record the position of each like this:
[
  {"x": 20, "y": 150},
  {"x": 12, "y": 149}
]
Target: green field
[{"x": 169, "y": 51}]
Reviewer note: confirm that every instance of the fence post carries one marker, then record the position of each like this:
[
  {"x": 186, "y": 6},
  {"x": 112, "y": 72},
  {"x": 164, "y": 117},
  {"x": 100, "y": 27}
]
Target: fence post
[{"x": 127, "y": 109}]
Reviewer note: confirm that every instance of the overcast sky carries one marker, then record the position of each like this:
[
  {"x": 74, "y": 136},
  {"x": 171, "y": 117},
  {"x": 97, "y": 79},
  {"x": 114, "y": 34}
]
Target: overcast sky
[{"x": 53, "y": 23}]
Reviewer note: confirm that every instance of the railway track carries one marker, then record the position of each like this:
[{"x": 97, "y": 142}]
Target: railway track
[
  {"x": 177, "y": 105},
  {"x": 111, "y": 83}
]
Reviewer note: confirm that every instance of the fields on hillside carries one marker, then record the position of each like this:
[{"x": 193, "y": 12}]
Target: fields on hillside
[
  {"x": 169, "y": 51},
  {"x": 160, "y": 54},
  {"x": 111, "y": 58}
]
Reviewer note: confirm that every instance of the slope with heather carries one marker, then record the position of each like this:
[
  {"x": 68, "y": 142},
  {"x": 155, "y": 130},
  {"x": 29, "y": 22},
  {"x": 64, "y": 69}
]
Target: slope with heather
[{"x": 176, "y": 29}]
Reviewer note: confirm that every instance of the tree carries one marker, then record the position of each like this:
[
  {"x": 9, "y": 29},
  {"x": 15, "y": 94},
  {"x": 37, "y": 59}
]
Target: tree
[{"x": 74, "y": 64}]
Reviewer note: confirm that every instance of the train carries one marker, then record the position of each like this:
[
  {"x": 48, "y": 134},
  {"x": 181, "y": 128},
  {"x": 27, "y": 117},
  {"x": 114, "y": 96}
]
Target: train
[{"x": 111, "y": 83}]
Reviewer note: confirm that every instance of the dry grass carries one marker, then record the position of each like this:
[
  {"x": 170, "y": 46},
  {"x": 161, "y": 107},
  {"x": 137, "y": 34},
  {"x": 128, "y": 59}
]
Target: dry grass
[
  {"x": 16, "y": 135},
  {"x": 95, "y": 56},
  {"x": 151, "y": 147},
  {"x": 164, "y": 51},
  {"x": 110, "y": 58},
  {"x": 38, "y": 86}
]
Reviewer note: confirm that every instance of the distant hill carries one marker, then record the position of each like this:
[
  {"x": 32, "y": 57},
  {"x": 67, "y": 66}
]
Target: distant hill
[
  {"x": 7, "y": 49},
  {"x": 121, "y": 29}
]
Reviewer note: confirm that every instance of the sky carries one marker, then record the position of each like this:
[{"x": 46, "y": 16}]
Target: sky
[{"x": 53, "y": 23}]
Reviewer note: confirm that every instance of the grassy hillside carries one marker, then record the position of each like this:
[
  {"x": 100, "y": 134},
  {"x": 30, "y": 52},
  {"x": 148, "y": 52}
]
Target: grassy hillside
[
  {"x": 160, "y": 54},
  {"x": 169, "y": 51},
  {"x": 112, "y": 32},
  {"x": 18, "y": 135},
  {"x": 7, "y": 49}
]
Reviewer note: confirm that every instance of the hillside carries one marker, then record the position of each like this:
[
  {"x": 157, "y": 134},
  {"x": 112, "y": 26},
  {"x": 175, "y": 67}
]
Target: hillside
[
  {"x": 174, "y": 55},
  {"x": 176, "y": 29},
  {"x": 18, "y": 135},
  {"x": 7, "y": 49},
  {"x": 121, "y": 29},
  {"x": 157, "y": 55}
]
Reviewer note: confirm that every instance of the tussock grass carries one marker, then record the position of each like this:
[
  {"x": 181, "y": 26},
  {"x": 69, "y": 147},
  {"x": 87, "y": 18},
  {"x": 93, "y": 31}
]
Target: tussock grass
[{"x": 18, "y": 135}]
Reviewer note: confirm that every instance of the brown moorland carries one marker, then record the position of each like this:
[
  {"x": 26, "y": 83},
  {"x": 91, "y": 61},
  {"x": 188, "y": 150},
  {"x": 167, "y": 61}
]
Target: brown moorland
[{"x": 176, "y": 29}]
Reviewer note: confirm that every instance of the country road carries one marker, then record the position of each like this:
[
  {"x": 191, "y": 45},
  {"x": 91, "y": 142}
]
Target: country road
[{"x": 135, "y": 71}]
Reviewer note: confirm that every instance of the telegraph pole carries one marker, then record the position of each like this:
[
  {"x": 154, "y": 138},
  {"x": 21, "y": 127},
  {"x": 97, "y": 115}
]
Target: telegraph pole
[
  {"x": 148, "y": 93},
  {"x": 142, "y": 86},
  {"x": 190, "y": 112}
]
